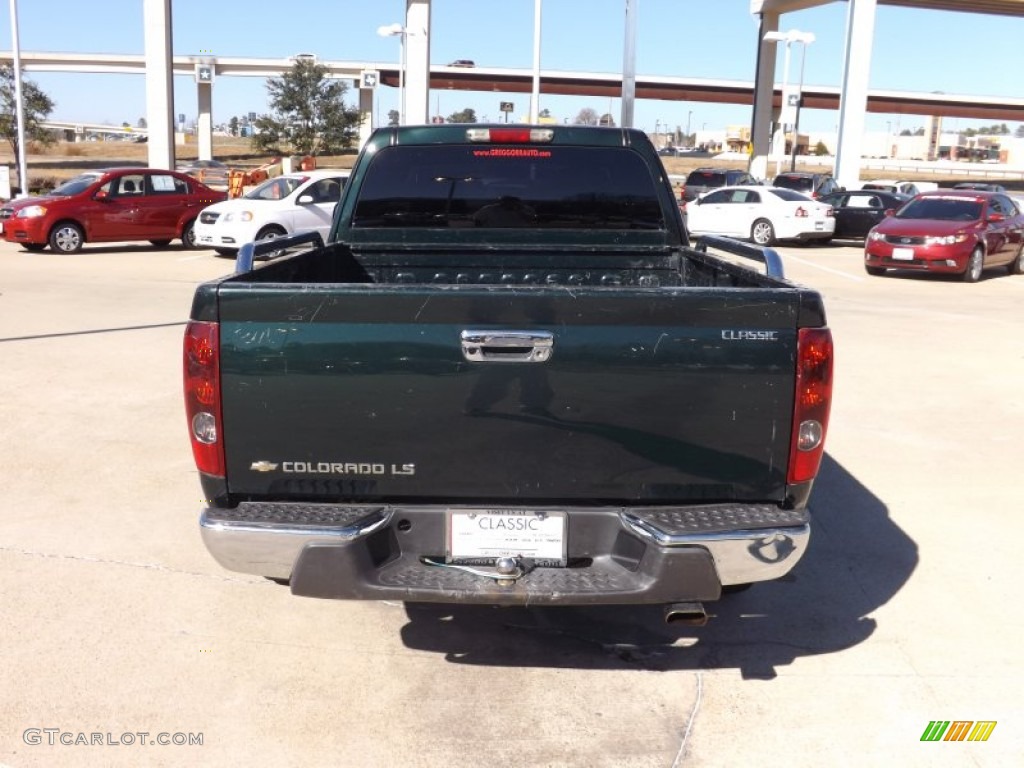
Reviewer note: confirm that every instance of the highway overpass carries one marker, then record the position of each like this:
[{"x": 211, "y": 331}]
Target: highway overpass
[
  {"x": 852, "y": 98},
  {"x": 506, "y": 80}
]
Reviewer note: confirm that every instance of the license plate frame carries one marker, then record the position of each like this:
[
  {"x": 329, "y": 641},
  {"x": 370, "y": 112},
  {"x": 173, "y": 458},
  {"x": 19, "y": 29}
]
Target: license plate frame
[
  {"x": 479, "y": 536},
  {"x": 903, "y": 254}
]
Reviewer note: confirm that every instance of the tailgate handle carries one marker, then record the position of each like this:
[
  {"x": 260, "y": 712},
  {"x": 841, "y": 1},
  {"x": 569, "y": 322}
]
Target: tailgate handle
[{"x": 507, "y": 346}]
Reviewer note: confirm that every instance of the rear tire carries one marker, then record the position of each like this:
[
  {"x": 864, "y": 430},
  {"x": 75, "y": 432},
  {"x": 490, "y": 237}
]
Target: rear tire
[
  {"x": 875, "y": 271},
  {"x": 227, "y": 253},
  {"x": 1016, "y": 266},
  {"x": 34, "y": 247},
  {"x": 160, "y": 243},
  {"x": 66, "y": 237},
  {"x": 762, "y": 232},
  {"x": 188, "y": 235},
  {"x": 975, "y": 266}
]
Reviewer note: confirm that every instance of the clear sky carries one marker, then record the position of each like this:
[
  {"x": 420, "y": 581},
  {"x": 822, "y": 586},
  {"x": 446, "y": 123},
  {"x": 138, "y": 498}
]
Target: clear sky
[{"x": 915, "y": 50}]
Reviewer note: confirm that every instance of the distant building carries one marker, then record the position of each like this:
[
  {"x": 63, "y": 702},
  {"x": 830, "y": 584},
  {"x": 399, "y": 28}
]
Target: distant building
[
  {"x": 737, "y": 138},
  {"x": 878, "y": 145}
]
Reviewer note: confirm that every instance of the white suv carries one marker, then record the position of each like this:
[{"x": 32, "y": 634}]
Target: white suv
[{"x": 283, "y": 205}]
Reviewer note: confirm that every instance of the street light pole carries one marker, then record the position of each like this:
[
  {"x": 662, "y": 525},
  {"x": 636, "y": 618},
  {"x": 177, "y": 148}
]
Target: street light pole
[
  {"x": 401, "y": 79},
  {"x": 779, "y": 149},
  {"x": 19, "y": 108},
  {"x": 806, "y": 40},
  {"x": 779, "y": 141},
  {"x": 535, "y": 91},
  {"x": 689, "y": 114},
  {"x": 397, "y": 30}
]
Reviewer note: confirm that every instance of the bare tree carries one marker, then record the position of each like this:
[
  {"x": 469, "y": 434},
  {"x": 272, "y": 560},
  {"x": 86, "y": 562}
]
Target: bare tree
[{"x": 586, "y": 116}]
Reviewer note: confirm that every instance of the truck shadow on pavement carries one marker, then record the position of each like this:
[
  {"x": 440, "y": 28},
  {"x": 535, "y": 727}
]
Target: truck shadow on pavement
[{"x": 857, "y": 561}]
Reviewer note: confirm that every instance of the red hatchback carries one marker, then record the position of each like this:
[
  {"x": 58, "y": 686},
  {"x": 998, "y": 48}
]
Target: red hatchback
[
  {"x": 952, "y": 231},
  {"x": 115, "y": 205}
]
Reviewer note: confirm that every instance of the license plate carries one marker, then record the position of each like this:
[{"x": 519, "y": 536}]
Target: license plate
[
  {"x": 819, "y": 225},
  {"x": 903, "y": 254},
  {"x": 480, "y": 536},
  {"x": 206, "y": 238}
]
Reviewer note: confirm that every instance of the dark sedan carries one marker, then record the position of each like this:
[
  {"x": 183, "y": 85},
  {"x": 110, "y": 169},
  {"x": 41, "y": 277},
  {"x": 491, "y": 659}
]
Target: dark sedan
[{"x": 858, "y": 211}]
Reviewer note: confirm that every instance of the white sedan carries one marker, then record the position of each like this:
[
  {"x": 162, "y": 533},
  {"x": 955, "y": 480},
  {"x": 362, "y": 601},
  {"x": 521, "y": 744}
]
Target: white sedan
[
  {"x": 283, "y": 205},
  {"x": 761, "y": 214}
]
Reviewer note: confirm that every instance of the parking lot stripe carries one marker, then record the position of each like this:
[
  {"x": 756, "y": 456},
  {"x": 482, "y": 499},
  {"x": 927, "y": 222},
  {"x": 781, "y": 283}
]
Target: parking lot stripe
[{"x": 847, "y": 275}]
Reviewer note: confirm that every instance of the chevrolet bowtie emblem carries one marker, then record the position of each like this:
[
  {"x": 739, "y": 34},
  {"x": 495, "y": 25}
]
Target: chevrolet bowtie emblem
[{"x": 263, "y": 466}]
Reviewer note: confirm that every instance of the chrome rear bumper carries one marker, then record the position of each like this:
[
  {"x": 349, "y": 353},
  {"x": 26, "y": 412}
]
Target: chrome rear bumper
[{"x": 629, "y": 551}]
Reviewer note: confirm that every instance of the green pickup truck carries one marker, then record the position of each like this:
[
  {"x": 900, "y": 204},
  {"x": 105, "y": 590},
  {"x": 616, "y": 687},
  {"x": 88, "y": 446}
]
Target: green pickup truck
[{"x": 508, "y": 378}]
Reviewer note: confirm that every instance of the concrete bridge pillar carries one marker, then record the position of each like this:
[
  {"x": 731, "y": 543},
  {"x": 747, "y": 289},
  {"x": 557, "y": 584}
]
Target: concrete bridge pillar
[
  {"x": 204, "y": 123},
  {"x": 159, "y": 82},
  {"x": 764, "y": 92},
  {"x": 417, "y": 58},
  {"x": 853, "y": 99}
]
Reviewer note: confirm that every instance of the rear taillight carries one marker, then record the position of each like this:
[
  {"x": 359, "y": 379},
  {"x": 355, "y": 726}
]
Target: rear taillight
[
  {"x": 202, "y": 396},
  {"x": 813, "y": 401},
  {"x": 831, "y": 212},
  {"x": 800, "y": 212}
]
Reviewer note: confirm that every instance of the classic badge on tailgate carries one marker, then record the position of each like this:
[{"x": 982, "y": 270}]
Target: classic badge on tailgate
[{"x": 481, "y": 536}]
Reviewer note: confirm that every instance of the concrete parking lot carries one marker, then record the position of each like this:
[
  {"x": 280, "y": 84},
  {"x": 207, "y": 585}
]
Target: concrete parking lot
[{"x": 116, "y": 622}]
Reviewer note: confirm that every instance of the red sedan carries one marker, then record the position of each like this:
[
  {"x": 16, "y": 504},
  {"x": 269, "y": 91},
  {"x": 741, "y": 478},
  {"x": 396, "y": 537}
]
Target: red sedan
[
  {"x": 115, "y": 205},
  {"x": 953, "y": 231}
]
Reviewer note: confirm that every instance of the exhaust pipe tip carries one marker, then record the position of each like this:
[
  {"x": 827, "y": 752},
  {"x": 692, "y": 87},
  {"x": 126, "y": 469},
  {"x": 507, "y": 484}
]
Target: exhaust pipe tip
[{"x": 692, "y": 614}]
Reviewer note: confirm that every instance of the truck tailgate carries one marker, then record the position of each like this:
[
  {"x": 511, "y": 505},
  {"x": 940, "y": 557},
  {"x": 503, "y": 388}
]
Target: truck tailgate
[{"x": 372, "y": 392}]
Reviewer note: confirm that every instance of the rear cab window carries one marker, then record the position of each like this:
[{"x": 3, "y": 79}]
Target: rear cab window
[{"x": 509, "y": 186}]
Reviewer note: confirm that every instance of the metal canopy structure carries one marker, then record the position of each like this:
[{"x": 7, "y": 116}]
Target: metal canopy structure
[
  {"x": 553, "y": 82},
  {"x": 991, "y": 7},
  {"x": 852, "y": 98},
  {"x": 855, "y": 99}
]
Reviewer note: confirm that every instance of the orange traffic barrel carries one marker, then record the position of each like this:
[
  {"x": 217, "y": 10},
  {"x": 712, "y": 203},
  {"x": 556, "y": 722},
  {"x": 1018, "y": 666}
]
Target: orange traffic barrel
[{"x": 236, "y": 183}]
